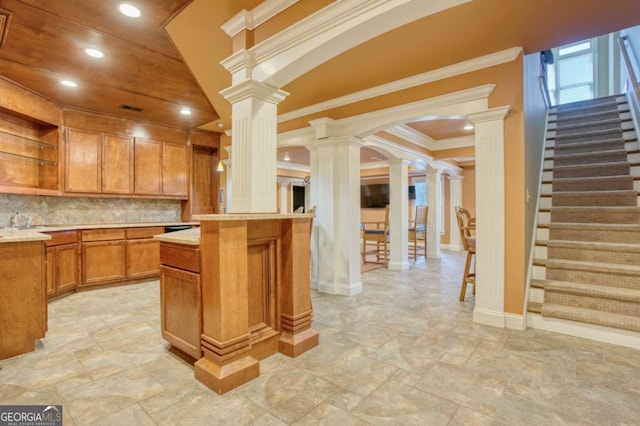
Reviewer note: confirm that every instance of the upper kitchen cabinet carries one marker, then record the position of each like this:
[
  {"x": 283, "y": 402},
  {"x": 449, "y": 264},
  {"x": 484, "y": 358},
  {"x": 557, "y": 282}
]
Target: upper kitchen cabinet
[
  {"x": 29, "y": 135},
  {"x": 108, "y": 155},
  {"x": 98, "y": 163}
]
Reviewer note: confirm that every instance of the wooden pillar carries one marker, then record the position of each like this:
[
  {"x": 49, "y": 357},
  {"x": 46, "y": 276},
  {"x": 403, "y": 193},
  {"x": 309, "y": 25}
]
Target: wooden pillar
[
  {"x": 225, "y": 338},
  {"x": 296, "y": 336}
]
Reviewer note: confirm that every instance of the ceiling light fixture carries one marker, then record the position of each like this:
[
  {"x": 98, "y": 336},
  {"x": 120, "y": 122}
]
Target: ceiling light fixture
[
  {"x": 69, "y": 83},
  {"x": 468, "y": 127},
  {"x": 129, "y": 10},
  {"x": 94, "y": 53},
  {"x": 185, "y": 111},
  {"x": 286, "y": 157}
]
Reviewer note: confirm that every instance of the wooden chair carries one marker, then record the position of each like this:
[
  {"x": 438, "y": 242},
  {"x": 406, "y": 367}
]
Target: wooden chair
[
  {"x": 377, "y": 237},
  {"x": 467, "y": 226},
  {"x": 299, "y": 210},
  {"x": 418, "y": 233}
]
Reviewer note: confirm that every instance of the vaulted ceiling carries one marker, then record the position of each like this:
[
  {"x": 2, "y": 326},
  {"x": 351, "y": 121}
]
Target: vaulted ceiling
[{"x": 170, "y": 56}]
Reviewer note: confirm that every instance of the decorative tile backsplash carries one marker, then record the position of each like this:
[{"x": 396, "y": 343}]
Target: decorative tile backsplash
[{"x": 41, "y": 210}]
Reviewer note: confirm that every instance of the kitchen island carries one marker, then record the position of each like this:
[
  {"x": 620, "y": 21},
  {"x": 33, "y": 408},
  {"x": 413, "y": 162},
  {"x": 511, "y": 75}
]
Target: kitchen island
[
  {"x": 236, "y": 291},
  {"x": 23, "y": 293}
]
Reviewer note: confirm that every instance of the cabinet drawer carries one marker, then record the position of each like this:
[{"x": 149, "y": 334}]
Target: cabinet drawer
[
  {"x": 62, "y": 237},
  {"x": 144, "y": 232},
  {"x": 180, "y": 256},
  {"x": 103, "y": 234}
]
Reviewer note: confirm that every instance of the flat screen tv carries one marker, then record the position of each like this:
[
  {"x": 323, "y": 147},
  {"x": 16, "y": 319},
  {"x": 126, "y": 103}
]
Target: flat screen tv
[{"x": 374, "y": 195}]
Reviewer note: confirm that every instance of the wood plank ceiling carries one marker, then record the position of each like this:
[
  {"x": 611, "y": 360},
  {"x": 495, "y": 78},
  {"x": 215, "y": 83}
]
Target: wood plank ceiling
[{"x": 45, "y": 42}]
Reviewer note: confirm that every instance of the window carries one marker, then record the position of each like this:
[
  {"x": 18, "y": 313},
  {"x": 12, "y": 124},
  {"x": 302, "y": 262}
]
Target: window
[
  {"x": 572, "y": 76},
  {"x": 421, "y": 194}
]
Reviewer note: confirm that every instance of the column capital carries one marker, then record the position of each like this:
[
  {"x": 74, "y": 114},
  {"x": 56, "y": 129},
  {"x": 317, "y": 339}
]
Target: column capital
[
  {"x": 458, "y": 177},
  {"x": 334, "y": 142},
  {"x": 432, "y": 171},
  {"x": 325, "y": 127},
  {"x": 253, "y": 89},
  {"x": 499, "y": 113},
  {"x": 398, "y": 161}
]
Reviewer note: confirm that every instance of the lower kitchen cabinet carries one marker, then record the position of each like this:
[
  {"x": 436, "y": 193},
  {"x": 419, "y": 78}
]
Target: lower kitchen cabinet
[
  {"x": 143, "y": 252},
  {"x": 104, "y": 255},
  {"x": 62, "y": 263}
]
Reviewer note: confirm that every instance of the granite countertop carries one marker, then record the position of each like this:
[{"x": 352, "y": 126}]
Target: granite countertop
[
  {"x": 188, "y": 236},
  {"x": 38, "y": 233}
]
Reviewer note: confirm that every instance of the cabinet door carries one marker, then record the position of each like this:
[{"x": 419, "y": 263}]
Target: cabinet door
[
  {"x": 51, "y": 271},
  {"x": 103, "y": 262},
  {"x": 143, "y": 258},
  {"x": 181, "y": 309},
  {"x": 117, "y": 164},
  {"x": 147, "y": 167},
  {"x": 66, "y": 267},
  {"x": 83, "y": 157},
  {"x": 174, "y": 170}
]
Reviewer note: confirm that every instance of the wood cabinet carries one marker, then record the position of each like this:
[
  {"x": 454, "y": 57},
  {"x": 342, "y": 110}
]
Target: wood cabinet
[
  {"x": 103, "y": 256},
  {"x": 148, "y": 167},
  {"x": 117, "y": 164},
  {"x": 160, "y": 168},
  {"x": 83, "y": 155},
  {"x": 174, "y": 170},
  {"x": 143, "y": 252},
  {"x": 62, "y": 262},
  {"x": 23, "y": 302},
  {"x": 98, "y": 163}
]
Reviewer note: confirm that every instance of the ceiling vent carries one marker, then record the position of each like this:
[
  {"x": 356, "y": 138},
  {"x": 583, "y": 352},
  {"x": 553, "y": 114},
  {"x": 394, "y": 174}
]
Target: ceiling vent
[
  {"x": 130, "y": 108},
  {"x": 5, "y": 20}
]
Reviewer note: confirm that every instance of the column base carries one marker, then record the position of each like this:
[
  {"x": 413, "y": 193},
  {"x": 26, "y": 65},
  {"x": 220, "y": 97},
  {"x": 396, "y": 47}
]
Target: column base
[
  {"x": 223, "y": 378},
  {"x": 398, "y": 266},
  {"x": 295, "y": 344},
  {"x": 340, "y": 289}
]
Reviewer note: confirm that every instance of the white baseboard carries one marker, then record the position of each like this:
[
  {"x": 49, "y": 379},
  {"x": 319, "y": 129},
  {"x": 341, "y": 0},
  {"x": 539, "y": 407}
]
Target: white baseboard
[
  {"x": 340, "y": 289},
  {"x": 630, "y": 339}
]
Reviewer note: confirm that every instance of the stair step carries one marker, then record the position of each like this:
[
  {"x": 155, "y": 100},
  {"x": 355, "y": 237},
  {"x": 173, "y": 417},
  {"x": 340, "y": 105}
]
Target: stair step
[
  {"x": 565, "y": 119},
  {"x": 588, "y": 127},
  {"x": 583, "y": 106},
  {"x": 591, "y": 136},
  {"x": 605, "y": 232},
  {"x": 595, "y": 183},
  {"x": 536, "y": 283},
  {"x": 592, "y": 146},
  {"x": 534, "y": 307},
  {"x": 590, "y": 157},
  {"x": 594, "y": 290},
  {"x": 591, "y": 316},
  {"x": 590, "y": 251},
  {"x": 614, "y": 275},
  {"x": 592, "y": 170},
  {"x": 595, "y": 214},
  {"x": 595, "y": 198}
]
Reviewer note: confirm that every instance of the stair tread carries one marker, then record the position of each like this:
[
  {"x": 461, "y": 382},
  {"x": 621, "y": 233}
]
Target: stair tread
[
  {"x": 598, "y": 208},
  {"x": 535, "y": 307},
  {"x": 588, "y": 315},
  {"x": 596, "y": 226},
  {"x": 589, "y": 123},
  {"x": 620, "y": 293},
  {"x": 590, "y": 153},
  {"x": 601, "y": 245},
  {"x": 587, "y": 265},
  {"x": 595, "y": 192},
  {"x": 536, "y": 283},
  {"x": 585, "y": 166}
]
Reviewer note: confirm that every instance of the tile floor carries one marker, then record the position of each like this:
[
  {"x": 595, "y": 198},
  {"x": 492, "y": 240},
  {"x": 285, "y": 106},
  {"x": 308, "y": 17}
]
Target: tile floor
[{"x": 405, "y": 351}]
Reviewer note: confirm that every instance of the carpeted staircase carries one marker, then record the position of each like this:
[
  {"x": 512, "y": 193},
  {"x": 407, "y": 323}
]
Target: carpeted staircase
[{"x": 587, "y": 259}]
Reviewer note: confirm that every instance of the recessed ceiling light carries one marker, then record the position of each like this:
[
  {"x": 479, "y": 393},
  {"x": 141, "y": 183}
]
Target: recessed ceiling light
[
  {"x": 185, "y": 111},
  {"x": 468, "y": 127},
  {"x": 94, "y": 53},
  {"x": 129, "y": 10},
  {"x": 286, "y": 157},
  {"x": 69, "y": 83}
]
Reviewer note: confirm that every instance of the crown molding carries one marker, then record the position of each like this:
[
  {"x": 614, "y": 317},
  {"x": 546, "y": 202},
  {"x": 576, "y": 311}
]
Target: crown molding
[
  {"x": 471, "y": 65},
  {"x": 407, "y": 133},
  {"x": 250, "y": 20},
  {"x": 452, "y": 143},
  {"x": 286, "y": 165}
]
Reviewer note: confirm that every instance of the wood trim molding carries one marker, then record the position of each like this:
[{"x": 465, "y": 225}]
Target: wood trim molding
[
  {"x": 251, "y": 19},
  {"x": 5, "y": 22}
]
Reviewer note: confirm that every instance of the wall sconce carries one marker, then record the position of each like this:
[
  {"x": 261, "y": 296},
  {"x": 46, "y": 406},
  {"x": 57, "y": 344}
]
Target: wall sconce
[{"x": 220, "y": 167}]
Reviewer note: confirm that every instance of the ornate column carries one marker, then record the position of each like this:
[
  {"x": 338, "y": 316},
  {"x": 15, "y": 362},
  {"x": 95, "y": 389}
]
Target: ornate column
[
  {"x": 399, "y": 214},
  {"x": 433, "y": 179},
  {"x": 254, "y": 139},
  {"x": 490, "y": 216},
  {"x": 335, "y": 173},
  {"x": 455, "y": 199}
]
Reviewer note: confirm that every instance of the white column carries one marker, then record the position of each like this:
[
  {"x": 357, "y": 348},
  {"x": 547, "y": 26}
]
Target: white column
[
  {"x": 282, "y": 189},
  {"x": 399, "y": 214},
  {"x": 455, "y": 199},
  {"x": 490, "y": 216},
  {"x": 433, "y": 178},
  {"x": 227, "y": 168},
  {"x": 335, "y": 173},
  {"x": 254, "y": 137}
]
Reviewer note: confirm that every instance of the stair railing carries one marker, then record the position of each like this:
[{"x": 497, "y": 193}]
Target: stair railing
[
  {"x": 544, "y": 86},
  {"x": 633, "y": 88}
]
